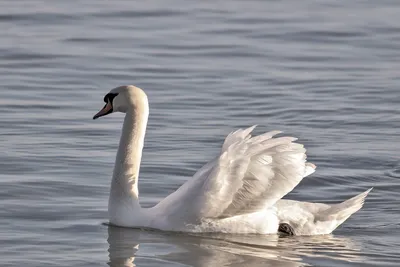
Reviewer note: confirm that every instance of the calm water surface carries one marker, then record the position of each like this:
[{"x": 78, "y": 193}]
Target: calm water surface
[{"x": 324, "y": 71}]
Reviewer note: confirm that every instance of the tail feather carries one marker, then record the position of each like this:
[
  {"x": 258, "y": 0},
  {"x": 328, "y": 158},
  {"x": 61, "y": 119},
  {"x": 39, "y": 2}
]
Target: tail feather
[{"x": 340, "y": 212}]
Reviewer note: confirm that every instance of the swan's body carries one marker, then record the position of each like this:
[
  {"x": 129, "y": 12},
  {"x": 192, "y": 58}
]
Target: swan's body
[{"x": 239, "y": 191}]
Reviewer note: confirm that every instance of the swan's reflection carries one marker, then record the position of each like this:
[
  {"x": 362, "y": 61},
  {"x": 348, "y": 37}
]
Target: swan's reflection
[
  {"x": 123, "y": 245},
  {"x": 160, "y": 248}
]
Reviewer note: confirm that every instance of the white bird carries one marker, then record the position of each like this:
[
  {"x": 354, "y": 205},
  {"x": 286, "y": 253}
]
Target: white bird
[{"x": 239, "y": 191}]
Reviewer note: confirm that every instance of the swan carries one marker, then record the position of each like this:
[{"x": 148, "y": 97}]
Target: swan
[{"x": 239, "y": 191}]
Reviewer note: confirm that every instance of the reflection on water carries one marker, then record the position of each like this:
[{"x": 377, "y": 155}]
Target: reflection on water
[
  {"x": 123, "y": 246},
  {"x": 132, "y": 247}
]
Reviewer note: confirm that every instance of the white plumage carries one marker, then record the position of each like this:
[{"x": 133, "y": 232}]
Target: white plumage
[{"x": 239, "y": 191}]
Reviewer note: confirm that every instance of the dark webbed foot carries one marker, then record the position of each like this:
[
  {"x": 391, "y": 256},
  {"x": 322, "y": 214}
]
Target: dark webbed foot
[{"x": 285, "y": 228}]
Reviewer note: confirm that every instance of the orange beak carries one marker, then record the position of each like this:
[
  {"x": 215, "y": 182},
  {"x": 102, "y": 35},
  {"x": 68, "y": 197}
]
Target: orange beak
[{"x": 108, "y": 108}]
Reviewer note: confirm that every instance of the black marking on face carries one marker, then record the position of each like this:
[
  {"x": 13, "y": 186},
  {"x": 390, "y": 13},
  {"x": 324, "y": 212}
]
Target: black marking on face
[
  {"x": 109, "y": 97},
  {"x": 108, "y": 107},
  {"x": 285, "y": 228}
]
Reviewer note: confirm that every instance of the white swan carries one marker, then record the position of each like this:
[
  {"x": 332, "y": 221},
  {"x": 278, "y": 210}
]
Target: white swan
[{"x": 239, "y": 191}]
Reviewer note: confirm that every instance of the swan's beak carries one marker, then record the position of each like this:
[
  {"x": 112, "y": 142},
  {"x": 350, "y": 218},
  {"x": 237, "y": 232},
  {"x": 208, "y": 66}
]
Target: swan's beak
[{"x": 108, "y": 108}]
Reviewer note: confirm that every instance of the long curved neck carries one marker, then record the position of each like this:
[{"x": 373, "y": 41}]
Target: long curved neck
[{"x": 127, "y": 164}]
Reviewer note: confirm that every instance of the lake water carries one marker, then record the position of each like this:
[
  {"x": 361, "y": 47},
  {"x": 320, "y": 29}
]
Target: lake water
[{"x": 326, "y": 72}]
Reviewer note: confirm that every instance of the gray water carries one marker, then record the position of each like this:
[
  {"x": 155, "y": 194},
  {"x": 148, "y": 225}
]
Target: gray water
[{"x": 326, "y": 72}]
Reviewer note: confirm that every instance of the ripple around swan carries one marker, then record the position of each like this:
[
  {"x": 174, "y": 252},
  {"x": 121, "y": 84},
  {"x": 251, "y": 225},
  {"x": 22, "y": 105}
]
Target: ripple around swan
[
  {"x": 135, "y": 246},
  {"x": 324, "y": 72}
]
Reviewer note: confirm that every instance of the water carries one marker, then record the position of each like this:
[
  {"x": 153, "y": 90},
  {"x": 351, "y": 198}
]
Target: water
[{"x": 323, "y": 71}]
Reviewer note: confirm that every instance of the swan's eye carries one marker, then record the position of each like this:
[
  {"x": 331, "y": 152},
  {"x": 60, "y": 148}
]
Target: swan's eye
[{"x": 109, "y": 97}]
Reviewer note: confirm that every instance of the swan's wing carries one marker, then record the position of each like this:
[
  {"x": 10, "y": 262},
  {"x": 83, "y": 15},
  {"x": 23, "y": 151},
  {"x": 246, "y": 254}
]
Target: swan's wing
[{"x": 250, "y": 174}]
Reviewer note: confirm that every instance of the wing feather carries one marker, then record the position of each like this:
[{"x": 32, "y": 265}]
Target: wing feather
[{"x": 250, "y": 174}]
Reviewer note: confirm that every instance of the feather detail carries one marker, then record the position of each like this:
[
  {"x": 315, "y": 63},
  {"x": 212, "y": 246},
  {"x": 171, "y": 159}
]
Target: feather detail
[{"x": 250, "y": 175}]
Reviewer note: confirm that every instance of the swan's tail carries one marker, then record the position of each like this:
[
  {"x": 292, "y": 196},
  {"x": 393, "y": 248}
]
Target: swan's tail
[
  {"x": 315, "y": 218},
  {"x": 342, "y": 211}
]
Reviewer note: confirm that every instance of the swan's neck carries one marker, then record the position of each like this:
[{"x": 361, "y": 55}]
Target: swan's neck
[{"x": 124, "y": 184}]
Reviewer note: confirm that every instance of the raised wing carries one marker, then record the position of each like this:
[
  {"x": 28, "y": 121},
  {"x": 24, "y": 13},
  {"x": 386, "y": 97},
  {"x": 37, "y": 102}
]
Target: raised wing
[{"x": 250, "y": 174}]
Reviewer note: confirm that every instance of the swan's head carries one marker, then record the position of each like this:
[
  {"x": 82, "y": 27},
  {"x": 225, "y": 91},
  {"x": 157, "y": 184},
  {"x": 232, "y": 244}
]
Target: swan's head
[{"x": 123, "y": 99}]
